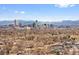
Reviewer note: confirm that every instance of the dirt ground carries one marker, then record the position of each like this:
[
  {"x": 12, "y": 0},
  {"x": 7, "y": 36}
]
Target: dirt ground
[{"x": 57, "y": 41}]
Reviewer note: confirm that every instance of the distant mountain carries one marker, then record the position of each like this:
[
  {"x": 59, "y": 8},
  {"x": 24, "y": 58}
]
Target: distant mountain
[
  {"x": 5, "y": 22},
  {"x": 23, "y": 22},
  {"x": 68, "y": 22}
]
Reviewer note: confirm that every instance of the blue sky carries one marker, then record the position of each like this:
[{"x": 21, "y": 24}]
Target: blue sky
[{"x": 41, "y": 12}]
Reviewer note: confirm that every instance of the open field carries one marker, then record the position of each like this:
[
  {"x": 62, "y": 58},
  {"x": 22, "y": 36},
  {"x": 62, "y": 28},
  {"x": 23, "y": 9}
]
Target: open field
[{"x": 60, "y": 41}]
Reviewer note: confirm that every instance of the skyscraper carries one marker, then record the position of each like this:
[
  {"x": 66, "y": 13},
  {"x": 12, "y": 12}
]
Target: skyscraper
[{"x": 15, "y": 23}]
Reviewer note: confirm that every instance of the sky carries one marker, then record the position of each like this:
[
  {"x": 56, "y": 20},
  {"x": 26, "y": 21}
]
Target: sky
[{"x": 40, "y": 12}]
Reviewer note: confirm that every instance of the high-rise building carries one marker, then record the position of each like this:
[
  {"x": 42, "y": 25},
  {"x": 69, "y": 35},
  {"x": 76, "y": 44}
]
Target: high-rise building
[{"x": 15, "y": 23}]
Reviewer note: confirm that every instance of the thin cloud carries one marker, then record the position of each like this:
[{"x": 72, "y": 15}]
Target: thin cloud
[
  {"x": 19, "y": 12},
  {"x": 22, "y": 12},
  {"x": 72, "y": 5},
  {"x": 64, "y": 5},
  {"x": 16, "y": 12}
]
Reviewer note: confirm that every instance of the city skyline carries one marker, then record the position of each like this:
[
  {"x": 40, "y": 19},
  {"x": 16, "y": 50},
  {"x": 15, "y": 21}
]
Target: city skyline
[{"x": 40, "y": 12}]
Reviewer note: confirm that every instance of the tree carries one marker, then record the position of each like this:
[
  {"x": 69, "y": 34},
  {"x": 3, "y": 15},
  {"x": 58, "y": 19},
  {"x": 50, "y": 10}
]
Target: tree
[{"x": 35, "y": 23}]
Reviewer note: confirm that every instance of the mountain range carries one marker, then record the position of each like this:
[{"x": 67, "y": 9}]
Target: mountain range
[{"x": 24, "y": 22}]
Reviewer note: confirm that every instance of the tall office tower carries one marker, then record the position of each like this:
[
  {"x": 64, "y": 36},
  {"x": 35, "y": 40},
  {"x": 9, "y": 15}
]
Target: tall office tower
[{"x": 15, "y": 23}]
